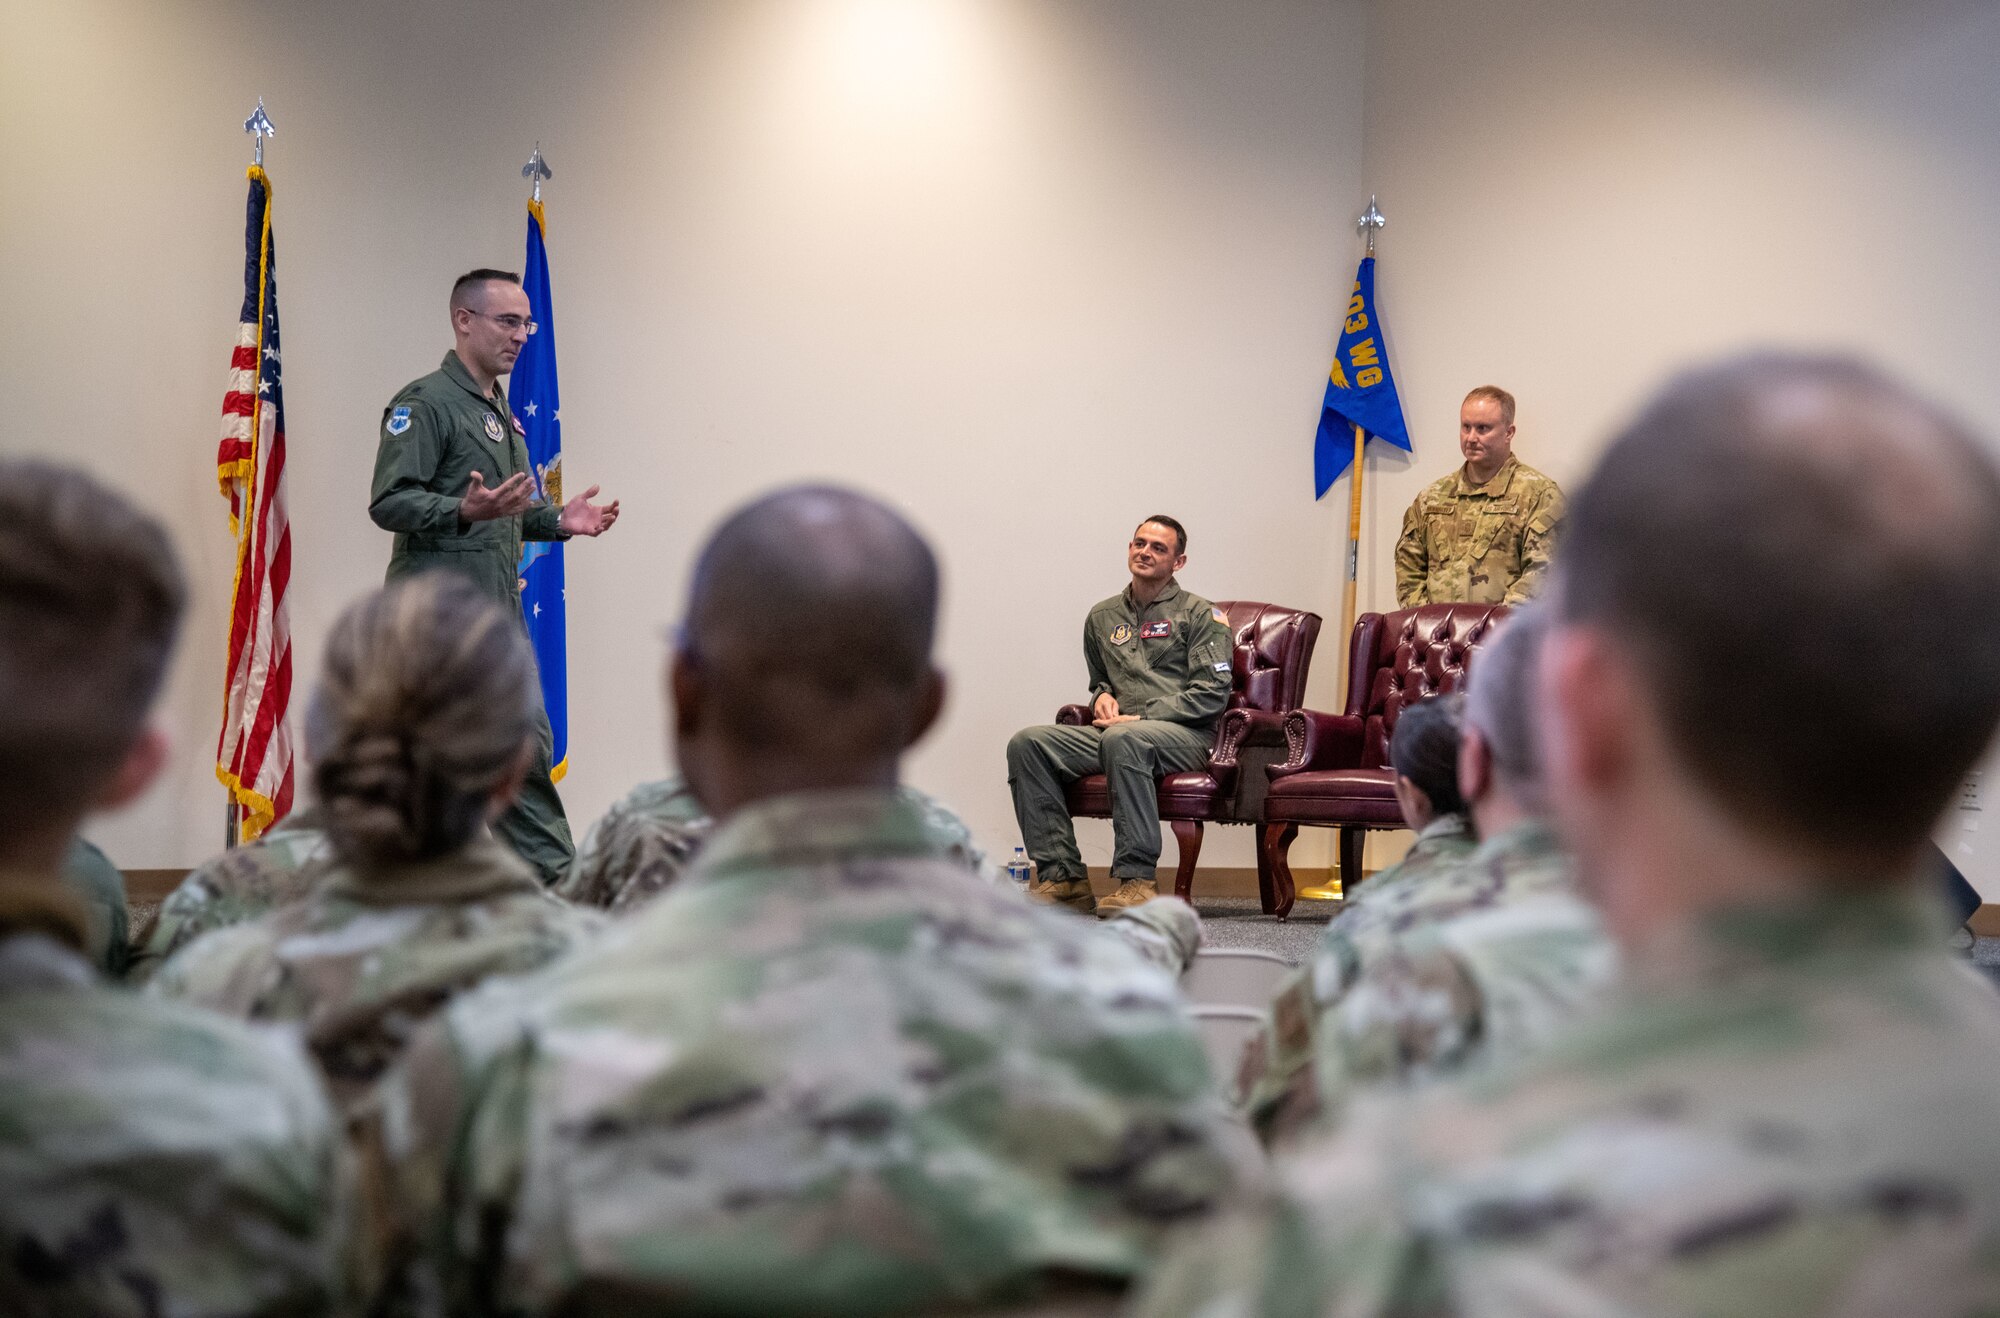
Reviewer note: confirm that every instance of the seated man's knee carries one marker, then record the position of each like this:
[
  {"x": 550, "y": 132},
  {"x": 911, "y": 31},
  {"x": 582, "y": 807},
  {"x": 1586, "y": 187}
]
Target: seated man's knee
[
  {"x": 1023, "y": 746},
  {"x": 1123, "y": 743}
]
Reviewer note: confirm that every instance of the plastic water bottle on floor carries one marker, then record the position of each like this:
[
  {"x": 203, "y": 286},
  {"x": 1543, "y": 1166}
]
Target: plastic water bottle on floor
[{"x": 1018, "y": 868}]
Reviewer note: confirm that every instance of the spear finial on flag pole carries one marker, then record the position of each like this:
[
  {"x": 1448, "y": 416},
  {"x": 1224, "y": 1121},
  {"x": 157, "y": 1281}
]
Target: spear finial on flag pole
[
  {"x": 535, "y": 171},
  {"x": 260, "y": 124},
  {"x": 1371, "y": 220}
]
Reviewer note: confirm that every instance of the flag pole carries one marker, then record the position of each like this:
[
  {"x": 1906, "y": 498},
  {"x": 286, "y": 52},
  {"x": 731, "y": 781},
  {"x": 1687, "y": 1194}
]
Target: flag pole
[
  {"x": 1330, "y": 891},
  {"x": 259, "y": 126}
]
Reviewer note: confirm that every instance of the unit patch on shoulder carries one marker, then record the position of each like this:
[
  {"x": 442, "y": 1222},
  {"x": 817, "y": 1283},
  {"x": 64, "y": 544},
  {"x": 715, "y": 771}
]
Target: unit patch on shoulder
[
  {"x": 1121, "y": 633},
  {"x": 1154, "y": 631},
  {"x": 494, "y": 430},
  {"x": 399, "y": 421},
  {"x": 1219, "y": 616}
]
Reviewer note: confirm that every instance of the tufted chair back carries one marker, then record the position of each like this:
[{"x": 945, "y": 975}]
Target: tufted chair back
[
  {"x": 1400, "y": 658},
  {"x": 1272, "y": 649}
]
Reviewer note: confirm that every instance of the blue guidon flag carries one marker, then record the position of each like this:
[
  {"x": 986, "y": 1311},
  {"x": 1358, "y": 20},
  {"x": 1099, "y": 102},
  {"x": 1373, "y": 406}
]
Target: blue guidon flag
[
  {"x": 537, "y": 405},
  {"x": 1359, "y": 390}
]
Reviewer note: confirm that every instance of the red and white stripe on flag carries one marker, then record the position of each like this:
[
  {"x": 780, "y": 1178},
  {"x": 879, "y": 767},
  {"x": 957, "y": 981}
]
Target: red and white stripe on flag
[{"x": 254, "y": 755}]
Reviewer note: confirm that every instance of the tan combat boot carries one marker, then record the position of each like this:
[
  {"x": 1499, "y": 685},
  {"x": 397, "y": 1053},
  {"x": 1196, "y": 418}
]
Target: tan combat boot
[
  {"x": 1131, "y": 892},
  {"x": 1073, "y": 893}
]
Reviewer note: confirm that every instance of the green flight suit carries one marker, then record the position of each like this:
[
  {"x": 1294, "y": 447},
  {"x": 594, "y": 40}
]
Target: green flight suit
[
  {"x": 435, "y": 433},
  {"x": 1168, "y": 663}
]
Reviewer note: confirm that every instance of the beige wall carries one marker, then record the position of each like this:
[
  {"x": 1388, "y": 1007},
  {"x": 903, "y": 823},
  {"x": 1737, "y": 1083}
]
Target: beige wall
[
  {"x": 1033, "y": 270},
  {"x": 1583, "y": 197}
]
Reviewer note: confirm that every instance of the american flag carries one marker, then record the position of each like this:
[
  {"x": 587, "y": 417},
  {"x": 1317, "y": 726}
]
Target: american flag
[{"x": 254, "y": 757}]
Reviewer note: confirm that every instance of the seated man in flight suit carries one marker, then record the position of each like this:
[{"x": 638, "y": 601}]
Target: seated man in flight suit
[{"x": 1159, "y": 679}]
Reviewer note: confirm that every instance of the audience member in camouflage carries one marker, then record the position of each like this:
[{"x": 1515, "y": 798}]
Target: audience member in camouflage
[
  {"x": 1788, "y": 1108},
  {"x": 829, "y": 1071},
  {"x": 1454, "y": 965},
  {"x": 370, "y": 953},
  {"x": 648, "y": 837},
  {"x": 1485, "y": 533},
  {"x": 154, "y": 1159},
  {"x": 90, "y": 874},
  {"x": 420, "y": 733},
  {"x": 650, "y": 834},
  {"x": 240, "y": 884}
]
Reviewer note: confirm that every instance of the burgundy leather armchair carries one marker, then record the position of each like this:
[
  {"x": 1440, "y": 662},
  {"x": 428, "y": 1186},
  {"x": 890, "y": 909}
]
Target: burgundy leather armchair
[
  {"x": 1270, "y": 656},
  {"x": 1336, "y": 770}
]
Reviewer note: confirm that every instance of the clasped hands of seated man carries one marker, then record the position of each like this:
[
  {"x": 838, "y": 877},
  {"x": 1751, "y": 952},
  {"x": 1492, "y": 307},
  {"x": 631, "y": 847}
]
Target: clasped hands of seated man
[
  {"x": 1104, "y": 712},
  {"x": 516, "y": 494}
]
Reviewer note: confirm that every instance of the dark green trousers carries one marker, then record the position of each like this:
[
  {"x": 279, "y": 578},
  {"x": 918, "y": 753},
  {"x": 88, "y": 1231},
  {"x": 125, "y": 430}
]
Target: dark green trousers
[
  {"x": 535, "y": 825},
  {"x": 1042, "y": 760}
]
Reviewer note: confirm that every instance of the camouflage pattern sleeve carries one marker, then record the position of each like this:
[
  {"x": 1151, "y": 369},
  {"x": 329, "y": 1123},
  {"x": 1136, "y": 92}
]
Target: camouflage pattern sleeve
[
  {"x": 1166, "y": 931},
  {"x": 1538, "y": 538},
  {"x": 155, "y": 1159},
  {"x": 1408, "y": 1011},
  {"x": 638, "y": 849},
  {"x": 1413, "y": 557},
  {"x": 1324, "y": 1236},
  {"x": 237, "y": 886}
]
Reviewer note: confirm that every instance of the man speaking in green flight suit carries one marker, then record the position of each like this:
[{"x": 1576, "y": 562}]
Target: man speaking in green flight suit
[
  {"x": 453, "y": 481},
  {"x": 1159, "y": 680}
]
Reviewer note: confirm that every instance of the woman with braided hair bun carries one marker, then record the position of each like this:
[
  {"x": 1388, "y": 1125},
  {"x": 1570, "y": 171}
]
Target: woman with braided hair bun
[{"x": 420, "y": 731}]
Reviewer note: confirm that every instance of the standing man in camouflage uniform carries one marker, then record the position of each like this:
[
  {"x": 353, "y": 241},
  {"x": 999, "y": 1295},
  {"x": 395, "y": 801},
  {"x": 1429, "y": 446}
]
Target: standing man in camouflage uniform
[
  {"x": 1159, "y": 679},
  {"x": 1483, "y": 534},
  {"x": 453, "y": 481},
  {"x": 1789, "y": 1107},
  {"x": 154, "y": 1159},
  {"x": 1435, "y": 968},
  {"x": 829, "y": 1070}
]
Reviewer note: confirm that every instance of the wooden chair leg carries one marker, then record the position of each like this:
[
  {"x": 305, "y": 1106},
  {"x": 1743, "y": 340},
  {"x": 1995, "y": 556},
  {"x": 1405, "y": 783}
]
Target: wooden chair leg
[
  {"x": 1352, "y": 844},
  {"x": 1187, "y": 832},
  {"x": 1274, "y": 869}
]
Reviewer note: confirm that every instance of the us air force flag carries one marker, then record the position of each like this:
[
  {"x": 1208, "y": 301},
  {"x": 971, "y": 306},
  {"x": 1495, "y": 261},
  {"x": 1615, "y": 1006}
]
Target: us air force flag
[
  {"x": 1359, "y": 391},
  {"x": 538, "y": 407}
]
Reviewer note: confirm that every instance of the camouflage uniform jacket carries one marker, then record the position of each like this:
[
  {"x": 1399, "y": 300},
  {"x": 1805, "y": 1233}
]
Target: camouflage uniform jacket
[
  {"x": 240, "y": 884},
  {"x": 368, "y": 956},
  {"x": 647, "y": 838},
  {"x": 829, "y": 1071},
  {"x": 1481, "y": 544},
  {"x": 1788, "y": 1112},
  {"x": 154, "y": 1159},
  {"x": 649, "y": 835},
  {"x": 1436, "y": 967}
]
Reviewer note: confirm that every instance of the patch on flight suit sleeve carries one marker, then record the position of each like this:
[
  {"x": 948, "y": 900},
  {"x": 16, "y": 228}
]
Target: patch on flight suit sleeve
[
  {"x": 398, "y": 422},
  {"x": 1219, "y": 616},
  {"x": 1154, "y": 631}
]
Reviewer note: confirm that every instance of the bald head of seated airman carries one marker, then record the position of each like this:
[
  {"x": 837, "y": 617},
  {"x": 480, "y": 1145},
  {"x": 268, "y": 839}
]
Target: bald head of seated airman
[
  {"x": 805, "y": 658},
  {"x": 1779, "y": 629}
]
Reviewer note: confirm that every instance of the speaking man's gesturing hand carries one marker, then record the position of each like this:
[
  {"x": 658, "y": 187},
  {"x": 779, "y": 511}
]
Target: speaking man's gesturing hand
[
  {"x": 507, "y": 499},
  {"x": 582, "y": 517}
]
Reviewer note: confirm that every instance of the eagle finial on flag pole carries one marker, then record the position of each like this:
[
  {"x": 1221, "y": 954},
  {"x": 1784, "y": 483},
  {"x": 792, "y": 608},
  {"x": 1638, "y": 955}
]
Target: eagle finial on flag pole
[
  {"x": 535, "y": 171},
  {"x": 261, "y": 126}
]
